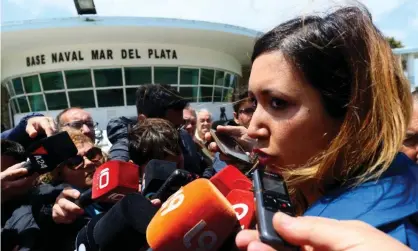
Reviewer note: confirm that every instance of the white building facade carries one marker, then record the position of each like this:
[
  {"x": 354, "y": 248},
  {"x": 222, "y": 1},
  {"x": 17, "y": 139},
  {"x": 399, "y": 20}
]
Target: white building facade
[{"x": 98, "y": 63}]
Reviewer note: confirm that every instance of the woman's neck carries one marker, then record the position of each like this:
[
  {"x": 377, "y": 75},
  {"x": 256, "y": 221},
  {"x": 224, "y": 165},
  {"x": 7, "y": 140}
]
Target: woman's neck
[{"x": 311, "y": 192}]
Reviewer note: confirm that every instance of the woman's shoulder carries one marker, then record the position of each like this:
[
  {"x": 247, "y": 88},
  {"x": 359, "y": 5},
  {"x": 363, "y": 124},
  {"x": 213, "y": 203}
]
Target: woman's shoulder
[{"x": 389, "y": 201}]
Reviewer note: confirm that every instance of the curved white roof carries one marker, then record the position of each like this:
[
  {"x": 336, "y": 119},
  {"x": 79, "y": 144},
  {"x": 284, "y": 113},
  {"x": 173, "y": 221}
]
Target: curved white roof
[{"x": 28, "y": 35}]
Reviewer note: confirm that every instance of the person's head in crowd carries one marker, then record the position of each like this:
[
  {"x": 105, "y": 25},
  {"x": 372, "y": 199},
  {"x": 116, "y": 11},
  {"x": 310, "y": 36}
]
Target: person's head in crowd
[
  {"x": 410, "y": 144},
  {"x": 154, "y": 138},
  {"x": 243, "y": 109},
  {"x": 77, "y": 171},
  {"x": 11, "y": 153},
  {"x": 160, "y": 101},
  {"x": 189, "y": 117},
  {"x": 331, "y": 102},
  {"x": 204, "y": 122},
  {"x": 75, "y": 118}
]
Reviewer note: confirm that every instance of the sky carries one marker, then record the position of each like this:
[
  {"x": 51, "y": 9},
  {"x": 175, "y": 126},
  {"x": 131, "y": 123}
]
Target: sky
[{"x": 398, "y": 18}]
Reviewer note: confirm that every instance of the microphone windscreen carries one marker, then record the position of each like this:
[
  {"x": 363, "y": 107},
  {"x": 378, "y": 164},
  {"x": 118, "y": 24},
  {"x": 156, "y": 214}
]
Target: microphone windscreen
[
  {"x": 113, "y": 180},
  {"x": 156, "y": 173},
  {"x": 231, "y": 178},
  {"x": 243, "y": 203},
  {"x": 85, "y": 239},
  {"x": 123, "y": 227},
  {"x": 196, "y": 216},
  {"x": 46, "y": 154}
]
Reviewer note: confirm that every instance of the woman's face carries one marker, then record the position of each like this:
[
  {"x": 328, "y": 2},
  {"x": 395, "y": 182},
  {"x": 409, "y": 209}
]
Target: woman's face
[
  {"x": 82, "y": 176},
  {"x": 290, "y": 122}
]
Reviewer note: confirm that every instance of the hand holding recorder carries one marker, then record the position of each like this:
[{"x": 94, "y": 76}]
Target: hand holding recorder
[{"x": 322, "y": 234}]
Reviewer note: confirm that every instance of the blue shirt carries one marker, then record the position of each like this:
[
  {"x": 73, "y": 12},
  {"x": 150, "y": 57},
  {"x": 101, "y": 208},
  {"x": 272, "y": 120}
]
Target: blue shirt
[{"x": 389, "y": 204}]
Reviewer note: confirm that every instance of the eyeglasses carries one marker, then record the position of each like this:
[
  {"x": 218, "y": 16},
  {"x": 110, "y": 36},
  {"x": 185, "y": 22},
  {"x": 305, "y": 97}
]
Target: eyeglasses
[
  {"x": 247, "y": 111},
  {"x": 79, "y": 124},
  {"x": 95, "y": 155}
]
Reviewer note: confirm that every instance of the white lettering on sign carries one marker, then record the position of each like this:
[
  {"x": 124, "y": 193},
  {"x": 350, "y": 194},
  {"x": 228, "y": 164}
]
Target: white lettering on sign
[
  {"x": 201, "y": 241},
  {"x": 173, "y": 202},
  {"x": 104, "y": 178},
  {"x": 40, "y": 161}
]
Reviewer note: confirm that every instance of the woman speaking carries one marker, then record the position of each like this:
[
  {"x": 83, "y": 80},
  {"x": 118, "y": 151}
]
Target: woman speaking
[{"x": 331, "y": 110}]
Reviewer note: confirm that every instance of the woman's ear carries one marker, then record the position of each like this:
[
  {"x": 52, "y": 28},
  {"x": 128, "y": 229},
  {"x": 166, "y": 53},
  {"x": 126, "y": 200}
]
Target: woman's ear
[{"x": 236, "y": 118}]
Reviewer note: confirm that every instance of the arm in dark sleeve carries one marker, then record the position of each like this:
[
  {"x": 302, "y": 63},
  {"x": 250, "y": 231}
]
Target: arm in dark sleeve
[
  {"x": 18, "y": 133},
  {"x": 42, "y": 204},
  {"x": 117, "y": 133}
]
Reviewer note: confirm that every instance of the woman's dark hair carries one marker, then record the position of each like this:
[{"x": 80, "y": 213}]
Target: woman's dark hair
[{"x": 348, "y": 61}]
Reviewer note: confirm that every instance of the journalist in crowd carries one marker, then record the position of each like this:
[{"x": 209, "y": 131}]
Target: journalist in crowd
[
  {"x": 332, "y": 107},
  {"x": 53, "y": 203},
  {"x": 158, "y": 101}
]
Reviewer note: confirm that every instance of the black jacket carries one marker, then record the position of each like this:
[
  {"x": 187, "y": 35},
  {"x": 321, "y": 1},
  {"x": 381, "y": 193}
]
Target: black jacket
[
  {"x": 54, "y": 236},
  {"x": 117, "y": 133}
]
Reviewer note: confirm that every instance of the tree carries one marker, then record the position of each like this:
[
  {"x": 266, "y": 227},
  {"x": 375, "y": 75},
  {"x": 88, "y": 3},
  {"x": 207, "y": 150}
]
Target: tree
[{"x": 394, "y": 43}]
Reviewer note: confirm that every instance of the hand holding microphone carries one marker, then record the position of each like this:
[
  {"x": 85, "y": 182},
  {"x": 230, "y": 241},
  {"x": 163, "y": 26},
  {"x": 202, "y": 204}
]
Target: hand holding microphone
[{"x": 65, "y": 211}]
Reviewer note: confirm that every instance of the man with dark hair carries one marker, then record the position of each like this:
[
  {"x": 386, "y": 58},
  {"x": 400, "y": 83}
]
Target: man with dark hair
[
  {"x": 410, "y": 144},
  {"x": 243, "y": 109},
  {"x": 154, "y": 139},
  {"x": 11, "y": 153},
  {"x": 76, "y": 118},
  {"x": 157, "y": 101}
]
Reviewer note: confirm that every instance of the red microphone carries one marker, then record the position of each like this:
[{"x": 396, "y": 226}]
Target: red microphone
[
  {"x": 113, "y": 180},
  {"x": 231, "y": 178},
  {"x": 243, "y": 203}
]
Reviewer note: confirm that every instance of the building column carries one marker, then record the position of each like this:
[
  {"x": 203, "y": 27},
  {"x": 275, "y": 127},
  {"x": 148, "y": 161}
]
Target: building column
[{"x": 410, "y": 69}]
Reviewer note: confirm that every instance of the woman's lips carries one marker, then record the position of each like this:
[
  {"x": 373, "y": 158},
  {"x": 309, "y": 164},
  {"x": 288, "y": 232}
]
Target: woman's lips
[{"x": 263, "y": 158}]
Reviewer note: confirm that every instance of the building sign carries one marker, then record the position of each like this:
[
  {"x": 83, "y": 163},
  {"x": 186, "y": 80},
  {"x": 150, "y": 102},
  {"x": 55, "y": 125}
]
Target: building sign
[{"x": 99, "y": 54}]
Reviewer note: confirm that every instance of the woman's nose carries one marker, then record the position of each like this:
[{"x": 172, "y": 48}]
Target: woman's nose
[{"x": 257, "y": 128}]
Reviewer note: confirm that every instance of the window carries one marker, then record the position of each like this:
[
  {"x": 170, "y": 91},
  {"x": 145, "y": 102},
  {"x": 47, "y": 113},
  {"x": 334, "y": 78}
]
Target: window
[
  {"x": 15, "y": 106},
  {"x": 56, "y": 101},
  {"x": 189, "y": 93},
  {"x": 217, "y": 95},
  {"x": 52, "y": 81},
  {"x": 219, "y": 78},
  {"x": 108, "y": 77},
  {"x": 138, "y": 75},
  {"x": 206, "y": 77},
  {"x": 205, "y": 94},
  {"x": 37, "y": 103},
  {"x": 83, "y": 99},
  {"x": 17, "y": 84},
  {"x": 230, "y": 80},
  {"x": 78, "y": 79},
  {"x": 32, "y": 84},
  {"x": 189, "y": 77},
  {"x": 23, "y": 104},
  {"x": 227, "y": 95},
  {"x": 10, "y": 87},
  {"x": 112, "y": 97},
  {"x": 130, "y": 96},
  {"x": 165, "y": 75}
]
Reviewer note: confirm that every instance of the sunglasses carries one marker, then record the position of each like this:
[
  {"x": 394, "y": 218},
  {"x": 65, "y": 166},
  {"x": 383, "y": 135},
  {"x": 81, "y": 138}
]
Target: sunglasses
[
  {"x": 247, "y": 111},
  {"x": 95, "y": 155}
]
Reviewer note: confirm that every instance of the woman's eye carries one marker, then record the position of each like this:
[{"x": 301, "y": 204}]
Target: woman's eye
[{"x": 277, "y": 103}]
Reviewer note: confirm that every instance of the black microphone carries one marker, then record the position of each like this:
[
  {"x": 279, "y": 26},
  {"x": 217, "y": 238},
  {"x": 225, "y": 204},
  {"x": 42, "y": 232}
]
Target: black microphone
[
  {"x": 156, "y": 173},
  {"x": 123, "y": 227},
  {"x": 46, "y": 154}
]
